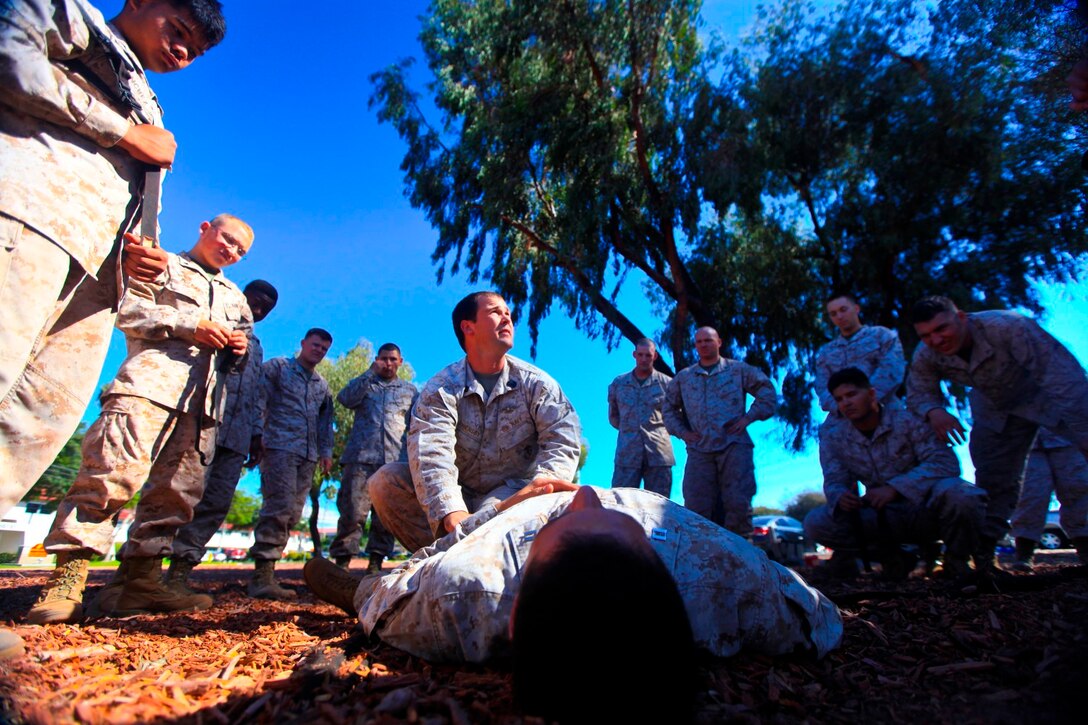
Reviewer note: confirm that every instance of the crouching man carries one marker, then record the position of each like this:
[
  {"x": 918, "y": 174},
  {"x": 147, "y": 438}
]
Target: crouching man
[
  {"x": 913, "y": 492},
  {"x": 549, "y": 577}
]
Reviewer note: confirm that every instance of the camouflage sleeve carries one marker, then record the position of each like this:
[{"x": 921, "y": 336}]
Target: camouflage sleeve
[
  {"x": 29, "y": 31},
  {"x": 431, "y": 453},
  {"x": 936, "y": 461},
  {"x": 559, "y": 433},
  {"x": 924, "y": 383},
  {"x": 270, "y": 380},
  {"x": 761, "y": 389},
  {"x": 324, "y": 426},
  {"x": 145, "y": 311},
  {"x": 672, "y": 409},
  {"x": 354, "y": 393},
  {"x": 837, "y": 477},
  {"x": 613, "y": 407},
  {"x": 888, "y": 375},
  {"x": 823, "y": 376}
]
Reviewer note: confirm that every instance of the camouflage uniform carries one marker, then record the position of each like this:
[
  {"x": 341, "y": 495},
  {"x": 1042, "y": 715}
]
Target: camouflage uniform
[
  {"x": 66, "y": 196},
  {"x": 297, "y": 431},
  {"x": 155, "y": 414},
  {"x": 1054, "y": 465},
  {"x": 238, "y": 425},
  {"x": 643, "y": 447},
  {"x": 378, "y": 435},
  {"x": 719, "y": 479},
  {"x": 465, "y": 453},
  {"x": 452, "y": 601},
  {"x": 904, "y": 453},
  {"x": 874, "y": 350},
  {"x": 1021, "y": 378}
]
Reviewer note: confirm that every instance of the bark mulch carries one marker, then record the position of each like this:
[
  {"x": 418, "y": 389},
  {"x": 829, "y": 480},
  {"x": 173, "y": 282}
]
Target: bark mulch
[{"x": 911, "y": 654}]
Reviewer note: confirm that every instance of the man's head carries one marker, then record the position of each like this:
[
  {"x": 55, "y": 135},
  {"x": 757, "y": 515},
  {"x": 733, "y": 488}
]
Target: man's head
[
  {"x": 854, "y": 394},
  {"x": 599, "y": 629},
  {"x": 481, "y": 320},
  {"x": 388, "y": 361},
  {"x": 314, "y": 346},
  {"x": 708, "y": 345},
  {"x": 222, "y": 242},
  {"x": 262, "y": 298},
  {"x": 845, "y": 313},
  {"x": 941, "y": 325},
  {"x": 645, "y": 353},
  {"x": 168, "y": 35}
]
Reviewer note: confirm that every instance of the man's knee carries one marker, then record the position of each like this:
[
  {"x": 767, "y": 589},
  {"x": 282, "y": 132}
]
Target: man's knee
[
  {"x": 389, "y": 484},
  {"x": 819, "y": 525}
]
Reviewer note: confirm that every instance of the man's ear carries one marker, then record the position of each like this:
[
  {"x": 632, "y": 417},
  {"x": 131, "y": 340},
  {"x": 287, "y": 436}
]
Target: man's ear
[{"x": 468, "y": 327}]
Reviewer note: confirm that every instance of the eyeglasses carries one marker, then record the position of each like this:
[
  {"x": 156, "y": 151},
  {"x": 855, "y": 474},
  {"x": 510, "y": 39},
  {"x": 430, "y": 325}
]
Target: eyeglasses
[{"x": 236, "y": 247}]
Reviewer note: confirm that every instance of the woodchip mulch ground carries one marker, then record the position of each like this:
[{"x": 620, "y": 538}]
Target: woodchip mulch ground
[{"x": 911, "y": 654}]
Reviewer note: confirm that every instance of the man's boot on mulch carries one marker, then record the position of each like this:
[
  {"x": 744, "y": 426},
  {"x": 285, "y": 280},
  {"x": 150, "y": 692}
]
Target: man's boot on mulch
[
  {"x": 103, "y": 601},
  {"x": 11, "y": 644},
  {"x": 331, "y": 584},
  {"x": 374, "y": 566},
  {"x": 344, "y": 562},
  {"x": 843, "y": 564},
  {"x": 263, "y": 584},
  {"x": 62, "y": 598},
  {"x": 177, "y": 576},
  {"x": 1024, "y": 557},
  {"x": 144, "y": 592}
]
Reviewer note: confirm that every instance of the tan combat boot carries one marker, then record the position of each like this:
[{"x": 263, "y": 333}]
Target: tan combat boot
[
  {"x": 144, "y": 592},
  {"x": 177, "y": 576},
  {"x": 263, "y": 584},
  {"x": 374, "y": 566},
  {"x": 331, "y": 584},
  {"x": 105, "y": 599},
  {"x": 62, "y": 598}
]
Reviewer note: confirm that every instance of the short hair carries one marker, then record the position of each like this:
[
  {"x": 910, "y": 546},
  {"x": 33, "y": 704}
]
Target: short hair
[
  {"x": 389, "y": 346},
  {"x": 599, "y": 611},
  {"x": 837, "y": 295},
  {"x": 466, "y": 310},
  {"x": 208, "y": 16},
  {"x": 264, "y": 288},
  {"x": 317, "y": 331},
  {"x": 927, "y": 308},
  {"x": 219, "y": 219},
  {"x": 645, "y": 342},
  {"x": 848, "y": 376}
]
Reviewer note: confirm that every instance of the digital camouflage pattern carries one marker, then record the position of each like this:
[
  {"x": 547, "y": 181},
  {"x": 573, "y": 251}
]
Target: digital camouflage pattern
[
  {"x": 220, "y": 482},
  {"x": 452, "y": 601},
  {"x": 456, "y": 442},
  {"x": 1054, "y": 465},
  {"x": 297, "y": 410},
  {"x": 707, "y": 402},
  {"x": 243, "y": 387},
  {"x": 874, "y": 350},
  {"x": 354, "y": 505},
  {"x": 634, "y": 409},
  {"x": 286, "y": 479},
  {"x": 382, "y": 411}
]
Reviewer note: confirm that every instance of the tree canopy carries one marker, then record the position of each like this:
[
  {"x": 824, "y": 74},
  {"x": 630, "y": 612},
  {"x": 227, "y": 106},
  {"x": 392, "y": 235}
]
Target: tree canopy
[
  {"x": 887, "y": 148},
  {"x": 58, "y": 478}
]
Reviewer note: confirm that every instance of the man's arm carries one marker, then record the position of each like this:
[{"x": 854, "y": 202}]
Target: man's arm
[
  {"x": 823, "y": 375},
  {"x": 613, "y": 407},
  {"x": 354, "y": 393},
  {"x": 840, "y": 486},
  {"x": 925, "y": 398},
  {"x": 324, "y": 428},
  {"x": 935, "y": 461},
  {"x": 672, "y": 410},
  {"x": 432, "y": 454},
  {"x": 888, "y": 375},
  {"x": 764, "y": 397},
  {"x": 558, "y": 433}
]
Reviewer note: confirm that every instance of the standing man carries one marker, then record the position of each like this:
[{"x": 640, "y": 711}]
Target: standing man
[
  {"x": 239, "y": 436},
  {"x": 156, "y": 428},
  {"x": 874, "y": 350},
  {"x": 1020, "y": 377},
  {"x": 297, "y": 431},
  {"x": 643, "y": 448},
  {"x": 482, "y": 429},
  {"x": 79, "y": 127},
  {"x": 705, "y": 406},
  {"x": 382, "y": 404}
]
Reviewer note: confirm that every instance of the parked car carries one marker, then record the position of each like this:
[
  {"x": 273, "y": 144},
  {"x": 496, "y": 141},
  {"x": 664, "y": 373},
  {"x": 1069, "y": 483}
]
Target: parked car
[{"x": 782, "y": 537}]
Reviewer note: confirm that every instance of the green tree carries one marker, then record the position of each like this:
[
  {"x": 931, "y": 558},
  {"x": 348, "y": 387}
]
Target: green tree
[
  {"x": 799, "y": 507},
  {"x": 894, "y": 148},
  {"x": 766, "y": 511},
  {"x": 243, "y": 510},
  {"x": 58, "y": 478}
]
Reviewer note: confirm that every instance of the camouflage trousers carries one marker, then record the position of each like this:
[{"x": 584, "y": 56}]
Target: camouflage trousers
[
  {"x": 719, "y": 486},
  {"x": 657, "y": 478},
  {"x": 353, "y": 503},
  {"x": 1061, "y": 470},
  {"x": 134, "y": 443},
  {"x": 394, "y": 498},
  {"x": 54, "y": 333},
  {"x": 953, "y": 513},
  {"x": 286, "y": 480},
  {"x": 219, "y": 483}
]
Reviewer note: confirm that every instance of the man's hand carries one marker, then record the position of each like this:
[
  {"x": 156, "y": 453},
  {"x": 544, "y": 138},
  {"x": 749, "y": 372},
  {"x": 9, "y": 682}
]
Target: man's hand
[
  {"x": 142, "y": 263},
  {"x": 880, "y": 496},
  {"x": 325, "y": 464},
  {"x": 849, "y": 501},
  {"x": 256, "y": 451},
  {"x": 150, "y": 144},
  {"x": 946, "y": 426},
  {"x": 691, "y": 437},
  {"x": 1078, "y": 85},
  {"x": 238, "y": 342},
  {"x": 452, "y": 520},
  {"x": 211, "y": 334},
  {"x": 738, "y": 426},
  {"x": 537, "y": 487}
]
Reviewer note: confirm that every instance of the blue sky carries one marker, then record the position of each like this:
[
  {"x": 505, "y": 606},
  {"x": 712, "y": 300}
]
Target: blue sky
[{"x": 273, "y": 126}]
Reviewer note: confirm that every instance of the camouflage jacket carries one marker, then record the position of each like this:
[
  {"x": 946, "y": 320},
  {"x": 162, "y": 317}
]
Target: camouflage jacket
[
  {"x": 634, "y": 409},
  {"x": 707, "y": 402},
  {"x": 164, "y": 363},
  {"x": 903, "y": 453},
  {"x": 1016, "y": 368},
  {"x": 62, "y": 71},
  {"x": 242, "y": 391},
  {"x": 526, "y": 429},
  {"x": 296, "y": 410},
  {"x": 874, "y": 350},
  {"x": 452, "y": 601},
  {"x": 382, "y": 409}
]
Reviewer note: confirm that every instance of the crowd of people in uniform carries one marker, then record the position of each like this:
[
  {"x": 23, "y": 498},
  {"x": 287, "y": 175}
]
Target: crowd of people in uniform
[{"x": 473, "y": 473}]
